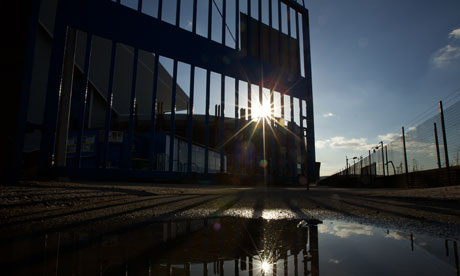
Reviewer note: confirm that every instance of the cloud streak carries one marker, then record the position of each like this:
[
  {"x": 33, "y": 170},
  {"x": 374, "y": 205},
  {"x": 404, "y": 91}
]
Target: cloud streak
[
  {"x": 455, "y": 34},
  {"x": 327, "y": 115},
  {"x": 449, "y": 53},
  {"x": 340, "y": 142}
]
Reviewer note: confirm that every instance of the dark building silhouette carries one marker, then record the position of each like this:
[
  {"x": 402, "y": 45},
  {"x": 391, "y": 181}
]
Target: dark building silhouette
[{"x": 217, "y": 90}]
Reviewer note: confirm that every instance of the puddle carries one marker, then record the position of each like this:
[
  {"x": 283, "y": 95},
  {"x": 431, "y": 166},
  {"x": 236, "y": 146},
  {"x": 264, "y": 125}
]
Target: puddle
[{"x": 233, "y": 246}]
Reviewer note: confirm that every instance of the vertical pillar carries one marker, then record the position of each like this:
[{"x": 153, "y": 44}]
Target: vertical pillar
[
  {"x": 153, "y": 118},
  {"x": 222, "y": 122},
  {"x": 108, "y": 107},
  {"x": 172, "y": 118},
  {"x": 293, "y": 138},
  {"x": 444, "y": 137},
  {"x": 82, "y": 99},
  {"x": 383, "y": 159},
  {"x": 32, "y": 31},
  {"x": 206, "y": 150},
  {"x": 237, "y": 115},
  {"x": 311, "y": 166},
  {"x": 129, "y": 142},
  {"x": 190, "y": 115},
  {"x": 248, "y": 29},
  {"x": 237, "y": 26},
  {"x": 456, "y": 259},
  {"x": 288, "y": 12},
  {"x": 386, "y": 156},
  {"x": 314, "y": 250},
  {"x": 52, "y": 95},
  {"x": 65, "y": 99},
  {"x": 404, "y": 150},
  {"x": 437, "y": 145}
]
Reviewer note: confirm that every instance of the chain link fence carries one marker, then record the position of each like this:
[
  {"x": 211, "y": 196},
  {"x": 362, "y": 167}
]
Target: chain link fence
[{"x": 431, "y": 144}]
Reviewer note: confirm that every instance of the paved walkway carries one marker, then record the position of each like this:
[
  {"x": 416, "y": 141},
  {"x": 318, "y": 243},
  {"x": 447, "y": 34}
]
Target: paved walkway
[{"x": 34, "y": 207}]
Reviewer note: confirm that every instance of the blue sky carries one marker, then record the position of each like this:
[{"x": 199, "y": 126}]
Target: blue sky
[{"x": 377, "y": 65}]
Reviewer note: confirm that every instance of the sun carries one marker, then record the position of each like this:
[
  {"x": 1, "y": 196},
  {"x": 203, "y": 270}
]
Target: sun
[
  {"x": 263, "y": 112},
  {"x": 265, "y": 266}
]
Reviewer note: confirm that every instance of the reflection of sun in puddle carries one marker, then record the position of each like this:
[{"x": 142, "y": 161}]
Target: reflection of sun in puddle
[{"x": 277, "y": 214}]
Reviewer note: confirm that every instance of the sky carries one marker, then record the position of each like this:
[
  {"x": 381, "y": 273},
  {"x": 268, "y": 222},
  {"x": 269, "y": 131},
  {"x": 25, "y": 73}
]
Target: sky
[{"x": 377, "y": 65}]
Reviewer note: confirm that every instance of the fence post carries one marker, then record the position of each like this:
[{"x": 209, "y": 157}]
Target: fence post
[
  {"x": 437, "y": 144},
  {"x": 383, "y": 159},
  {"x": 443, "y": 129},
  {"x": 405, "y": 152},
  {"x": 386, "y": 156}
]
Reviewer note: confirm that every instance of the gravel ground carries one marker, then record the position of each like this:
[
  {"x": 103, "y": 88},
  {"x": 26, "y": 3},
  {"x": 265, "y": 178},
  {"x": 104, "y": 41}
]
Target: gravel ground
[{"x": 37, "y": 207}]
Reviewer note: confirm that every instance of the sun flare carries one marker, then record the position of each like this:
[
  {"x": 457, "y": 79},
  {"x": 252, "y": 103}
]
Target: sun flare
[{"x": 265, "y": 266}]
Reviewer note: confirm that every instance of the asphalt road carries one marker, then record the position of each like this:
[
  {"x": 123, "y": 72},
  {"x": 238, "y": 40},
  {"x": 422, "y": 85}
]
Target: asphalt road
[{"x": 40, "y": 207}]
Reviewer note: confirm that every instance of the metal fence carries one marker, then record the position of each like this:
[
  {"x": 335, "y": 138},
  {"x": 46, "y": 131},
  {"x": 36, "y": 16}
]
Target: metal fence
[{"x": 431, "y": 144}]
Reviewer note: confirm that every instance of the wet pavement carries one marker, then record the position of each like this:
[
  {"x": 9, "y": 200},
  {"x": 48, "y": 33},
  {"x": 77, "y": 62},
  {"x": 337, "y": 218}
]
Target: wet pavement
[
  {"x": 267, "y": 245},
  {"x": 63, "y": 228}
]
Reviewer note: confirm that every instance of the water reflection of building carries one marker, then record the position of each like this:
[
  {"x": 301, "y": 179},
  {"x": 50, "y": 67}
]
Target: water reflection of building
[{"x": 189, "y": 247}]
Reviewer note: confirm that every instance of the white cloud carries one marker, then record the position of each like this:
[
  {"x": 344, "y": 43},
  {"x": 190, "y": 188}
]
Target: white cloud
[
  {"x": 455, "y": 34},
  {"x": 446, "y": 55},
  {"x": 340, "y": 142},
  {"x": 345, "y": 230},
  {"x": 449, "y": 53},
  {"x": 389, "y": 137},
  {"x": 395, "y": 235},
  {"x": 330, "y": 114}
]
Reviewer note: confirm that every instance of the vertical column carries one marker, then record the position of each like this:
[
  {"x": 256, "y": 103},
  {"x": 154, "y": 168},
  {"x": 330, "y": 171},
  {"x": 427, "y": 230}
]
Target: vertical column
[
  {"x": 444, "y": 138},
  {"x": 248, "y": 29},
  {"x": 280, "y": 40},
  {"x": 237, "y": 25},
  {"x": 293, "y": 138},
  {"x": 152, "y": 158},
  {"x": 128, "y": 146},
  {"x": 437, "y": 145},
  {"x": 190, "y": 116},
  {"x": 82, "y": 99},
  {"x": 259, "y": 31},
  {"x": 25, "y": 91},
  {"x": 222, "y": 122},
  {"x": 302, "y": 134},
  {"x": 237, "y": 115},
  {"x": 288, "y": 11},
  {"x": 65, "y": 99},
  {"x": 173, "y": 115},
  {"x": 404, "y": 149},
  {"x": 311, "y": 165},
  {"x": 314, "y": 250},
  {"x": 283, "y": 135},
  {"x": 270, "y": 23},
  {"x": 52, "y": 95},
  {"x": 206, "y": 150},
  {"x": 108, "y": 107}
]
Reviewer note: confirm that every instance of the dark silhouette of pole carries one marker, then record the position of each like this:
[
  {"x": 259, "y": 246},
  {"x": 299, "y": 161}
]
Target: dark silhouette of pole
[
  {"x": 437, "y": 144},
  {"x": 456, "y": 258},
  {"x": 443, "y": 128},
  {"x": 383, "y": 159},
  {"x": 405, "y": 152},
  {"x": 386, "y": 156}
]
